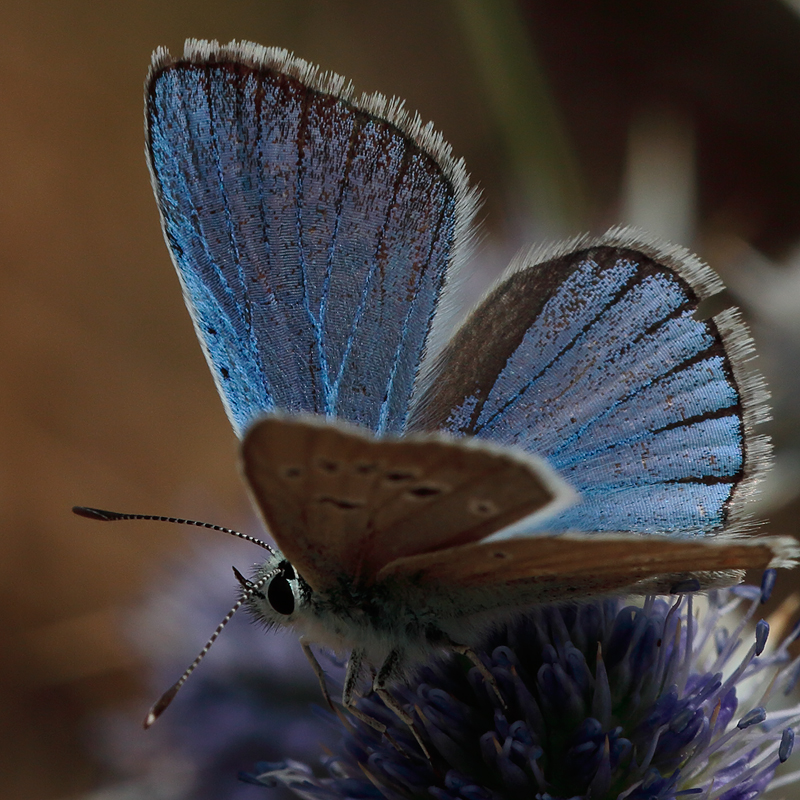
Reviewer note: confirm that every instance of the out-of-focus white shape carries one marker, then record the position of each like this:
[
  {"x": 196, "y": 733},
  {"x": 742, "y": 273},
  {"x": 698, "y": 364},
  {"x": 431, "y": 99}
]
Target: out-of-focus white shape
[
  {"x": 780, "y": 486},
  {"x": 659, "y": 189},
  {"x": 793, "y": 4},
  {"x": 771, "y": 290},
  {"x": 769, "y": 293}
]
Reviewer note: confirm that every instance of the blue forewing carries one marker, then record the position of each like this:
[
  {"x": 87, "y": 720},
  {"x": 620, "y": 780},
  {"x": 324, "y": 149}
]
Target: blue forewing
[{"x": 312, "y": 232}]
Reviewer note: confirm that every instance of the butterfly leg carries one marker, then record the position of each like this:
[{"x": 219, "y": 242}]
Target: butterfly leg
[
  {"x": 389, "y": 671},
  {"x": 349, "y": 701},
  {"x": 482, "y": 668},
  {"x": 319, "y": 672},
  {"x": 349, "y": 692}
]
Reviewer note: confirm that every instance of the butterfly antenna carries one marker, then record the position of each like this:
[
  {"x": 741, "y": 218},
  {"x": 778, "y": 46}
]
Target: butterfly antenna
[
  {"x": 158, "y": 708},
  {"x": 112, "y": 516},
  {"x": 250, "y": 587}
]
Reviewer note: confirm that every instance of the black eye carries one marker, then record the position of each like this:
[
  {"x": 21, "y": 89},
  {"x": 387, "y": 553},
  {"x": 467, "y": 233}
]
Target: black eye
[
  {"x": 288, "y": 569},
  {"x": 280, "y": 595}
]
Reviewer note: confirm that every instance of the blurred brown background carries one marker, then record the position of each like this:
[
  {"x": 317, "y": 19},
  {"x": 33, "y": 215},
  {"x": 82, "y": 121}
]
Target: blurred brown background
[{"x": 571, "y": 116}]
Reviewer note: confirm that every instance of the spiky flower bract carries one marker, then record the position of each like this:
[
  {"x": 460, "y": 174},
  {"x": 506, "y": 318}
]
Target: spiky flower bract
[{"x": 651, "y": 700}]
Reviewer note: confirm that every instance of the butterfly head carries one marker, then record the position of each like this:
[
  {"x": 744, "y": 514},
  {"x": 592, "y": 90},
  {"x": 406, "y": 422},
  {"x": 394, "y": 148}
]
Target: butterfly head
[{"x": 276, "y": 595}]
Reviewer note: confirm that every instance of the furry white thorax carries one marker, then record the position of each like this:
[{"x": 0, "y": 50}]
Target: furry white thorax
[
  {"x": 405, "y": 619},
  {"x": 413, "y": 622}
]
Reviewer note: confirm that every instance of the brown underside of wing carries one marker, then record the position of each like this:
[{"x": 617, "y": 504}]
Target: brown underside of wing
[
  {"x": 341, "y": 503},
  {"x": 612, "y": 561}
]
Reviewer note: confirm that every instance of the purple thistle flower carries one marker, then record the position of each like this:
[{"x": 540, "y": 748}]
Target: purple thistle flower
[{"x": 604, "y": 700}]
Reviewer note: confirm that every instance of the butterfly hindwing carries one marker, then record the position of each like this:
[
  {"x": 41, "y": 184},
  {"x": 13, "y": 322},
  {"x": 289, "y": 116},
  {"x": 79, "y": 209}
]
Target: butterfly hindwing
[
  {"x": 342, "y": 503},
  {"x": 312, "y": 233},
  {"x": 597, "y": 361},
  {"x": 558, "y": 568}
]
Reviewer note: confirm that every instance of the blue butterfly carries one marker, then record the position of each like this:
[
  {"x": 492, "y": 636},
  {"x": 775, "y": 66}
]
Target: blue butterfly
[{"x": 586, "y": 430}]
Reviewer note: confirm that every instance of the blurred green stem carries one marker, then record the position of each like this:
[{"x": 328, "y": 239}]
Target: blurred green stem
[{"x": 544, "y": 166}]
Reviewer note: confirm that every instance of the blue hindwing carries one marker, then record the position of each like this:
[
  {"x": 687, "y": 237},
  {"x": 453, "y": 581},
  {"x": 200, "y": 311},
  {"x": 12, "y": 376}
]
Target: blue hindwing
[{"x": 597, "y": 361}]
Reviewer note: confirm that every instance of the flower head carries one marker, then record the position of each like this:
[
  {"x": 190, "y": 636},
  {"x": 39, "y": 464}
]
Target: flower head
[{"x": 602, "y": 700}]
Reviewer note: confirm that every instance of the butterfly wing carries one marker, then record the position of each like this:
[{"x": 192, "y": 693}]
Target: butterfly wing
[
  {"x": 312, "y": 233},
  {"x": 342, "y": 504},
  {"x": 596, "y": 360},
  {"x": 558, "y": 568}
]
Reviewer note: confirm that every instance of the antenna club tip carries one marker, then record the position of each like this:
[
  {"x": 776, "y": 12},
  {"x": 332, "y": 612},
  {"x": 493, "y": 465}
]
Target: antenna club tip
[
  {"x": 95, "y": 513},
  {"x": 161, "y": 704}
]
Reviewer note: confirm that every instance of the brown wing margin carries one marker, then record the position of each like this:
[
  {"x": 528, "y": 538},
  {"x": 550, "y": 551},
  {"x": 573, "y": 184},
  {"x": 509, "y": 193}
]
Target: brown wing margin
[{"x": 342, "y": 504}]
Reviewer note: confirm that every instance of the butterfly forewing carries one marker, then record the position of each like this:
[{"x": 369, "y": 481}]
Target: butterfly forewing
[
  {"x": 596, "y": 360},
  {"x": 312, "y": 234},
  {"x": 342, "y": 504}
]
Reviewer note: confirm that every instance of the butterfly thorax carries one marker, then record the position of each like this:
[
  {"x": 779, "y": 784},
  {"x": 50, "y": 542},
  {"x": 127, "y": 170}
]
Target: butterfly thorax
[
  {"x": 375, "y": 618},
  {"x": 384, "y": 616}
]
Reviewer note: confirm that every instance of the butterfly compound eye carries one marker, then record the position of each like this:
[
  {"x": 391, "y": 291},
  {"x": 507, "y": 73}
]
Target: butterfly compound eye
[{"x": 280, "y": 595}]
